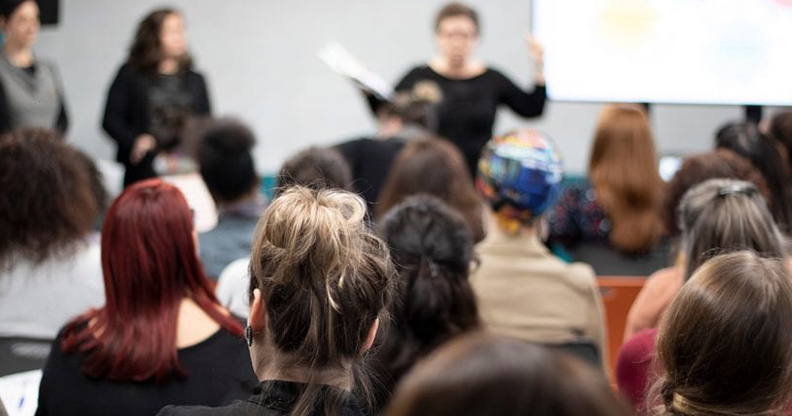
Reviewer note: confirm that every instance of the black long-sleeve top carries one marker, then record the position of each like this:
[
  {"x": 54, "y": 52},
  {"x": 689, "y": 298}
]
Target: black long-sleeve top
[
  {"x": 127, "y": 113},
  {"x": 467, "y": 107}
]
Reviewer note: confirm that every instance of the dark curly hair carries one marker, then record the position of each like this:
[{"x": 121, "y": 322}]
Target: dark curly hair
[
  {"x": 47, "y": 196},
  {"x": 225, "y": 161},
  {"x": 433, "y": 250},
  {"x": 315, "y": 168},
  {"x": 146, "y": 51}
]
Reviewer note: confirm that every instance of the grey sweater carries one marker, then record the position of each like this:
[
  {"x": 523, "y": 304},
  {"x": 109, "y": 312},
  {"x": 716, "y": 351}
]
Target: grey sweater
[{"x": 31, "y": 97}]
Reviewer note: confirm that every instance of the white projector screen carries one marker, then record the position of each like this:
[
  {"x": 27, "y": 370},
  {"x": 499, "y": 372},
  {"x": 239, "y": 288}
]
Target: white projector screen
[{"x": 667, "y": 51}]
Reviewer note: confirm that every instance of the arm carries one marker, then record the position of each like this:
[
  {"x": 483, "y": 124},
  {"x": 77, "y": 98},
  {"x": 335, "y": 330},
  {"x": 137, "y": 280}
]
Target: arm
[
  {"x": 596, "y": 328},
  {"x": 526, "y": 104},
  {"x": 62, "y": 123},
  {"x": 202, "y": 106},
  {"x": 5, "y": 119},
  {"x": 115, "y": 121}
]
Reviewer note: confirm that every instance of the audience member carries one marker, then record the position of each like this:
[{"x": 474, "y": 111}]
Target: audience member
[
  {"x": 717, "y": 216},
  {"x": 780, "y": 130},
  {"x": 370, "y": 159},
  {"x": 661, "y": 287},
  {"x": 435, "y": 167},
  {"x": 50, "y": 267},
  {"x": 480, "y": 374},
  {"x": 153, "y": 95},
  {"x": 746, "y": 140},
  {"x": 315, "y": 168},
  {"x": 723, "y": 347},
  {"x": 468, "y": 92},
  {"x": 320, "y": 283},
  {"x": 161, "y": 338},
  {"x": 229, "y": 172},
  {"x": 522, "y": 289},
  {"x": 620, "y": 204},
  {"x": 432, "y": 249},
  {"x": 31, "y": 93}
]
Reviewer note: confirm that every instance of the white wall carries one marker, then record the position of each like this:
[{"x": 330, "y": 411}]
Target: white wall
[{"x": 260, "y": 60}]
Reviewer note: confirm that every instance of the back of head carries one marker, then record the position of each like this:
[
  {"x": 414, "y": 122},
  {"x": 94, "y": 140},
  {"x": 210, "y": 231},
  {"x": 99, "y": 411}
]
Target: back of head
[
  {"x": 696, "y": 169},
  {"x": 48, "y": 201},
  {"x": 432, "y": 249},
  {"x": 412, "y": 111},
  {"x": 435, "y": 167},
  {"x": 781, "y": 130},
  {"x": 623, "y": 169},
  {"x": 724, "y": 215},
  {"x": 746, "y": 140},
  {"x": 482, "y": 374},
  {"x": 225, "y": 161},
  {"x": 315, "y": 168},
  {"x": 724, "y": 341},
  {"x": 520, "y": 175},
  {"x": 150, "y": 265},
  {"x": 324, "y": 278}
]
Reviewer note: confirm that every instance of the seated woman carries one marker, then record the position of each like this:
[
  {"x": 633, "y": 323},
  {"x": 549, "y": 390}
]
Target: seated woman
[
  {"x": 522, "y": 289},
  {"x": 746, "y": 140},
  {"x": 432, "y": 249},
  {"x": 161, "y": 338},
  {"x": 320, "y": 283},
  {"x": 723, "y": 347},
  {"x": 435, "y": 167},
  {"x": 620, "y": 205},
  {"x": 50, "y": 265},
  {"x": 486, "y": 375},
  {"x": 717, "y": 216},
  {"x": 661, "y": 287}
]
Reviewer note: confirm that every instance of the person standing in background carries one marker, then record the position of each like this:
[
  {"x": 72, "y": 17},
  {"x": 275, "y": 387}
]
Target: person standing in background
[
  {"x": 31, "y": 92},
  {"x": 467, "y": 91},
  {"x": 154, "y": 94}
]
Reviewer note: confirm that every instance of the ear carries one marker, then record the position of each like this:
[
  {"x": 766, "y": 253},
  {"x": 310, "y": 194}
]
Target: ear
[
  {"x": 372, "y": 334},
  {"x": 257, "y": 319}
]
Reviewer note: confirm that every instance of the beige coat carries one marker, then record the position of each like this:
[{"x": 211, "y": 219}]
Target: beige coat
[{"x": 524, "y": 291}]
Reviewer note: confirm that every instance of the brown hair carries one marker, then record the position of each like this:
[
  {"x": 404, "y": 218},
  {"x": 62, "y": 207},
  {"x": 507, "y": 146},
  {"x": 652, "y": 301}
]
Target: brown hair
[
  {"x": 724, "y": 343},
  {"x": 623, "y": 171},
  {"x": 145, "y": 54},
  {"x": 482, "y": 374},
  {"x": 436, "y": 167},
  {"x": 723, "y": 215},
  {"x": 454, "y": 10},
  {"x": 781, "y": 131},
  {"x": 316, "y": 168},
  {"x": 695, "y": 169},
  {"x": 324, "y": 279},
  {"x": 48, "y": 201}
]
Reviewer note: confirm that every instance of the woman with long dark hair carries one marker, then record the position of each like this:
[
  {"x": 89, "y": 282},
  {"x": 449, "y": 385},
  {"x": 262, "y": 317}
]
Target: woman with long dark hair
[
  {"x": 161, "y": 338},
  {"x": 154, "y": 94}
]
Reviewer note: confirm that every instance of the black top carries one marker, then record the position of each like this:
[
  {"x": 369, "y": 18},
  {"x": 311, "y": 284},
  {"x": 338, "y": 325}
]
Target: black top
[
  {"x": 128, "y": 112},
  {"x": 218, "y": 372},
  {"x": 467, "y": 107},
  {"x": 370, "y": 161},
  {"x": 272, "y": 398}
]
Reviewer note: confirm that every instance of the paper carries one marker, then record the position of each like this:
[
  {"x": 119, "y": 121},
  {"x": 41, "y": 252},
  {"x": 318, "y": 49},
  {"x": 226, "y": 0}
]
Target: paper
[
  {"x": 346, "y": 65},
  {"x": 19, "y": 393}
]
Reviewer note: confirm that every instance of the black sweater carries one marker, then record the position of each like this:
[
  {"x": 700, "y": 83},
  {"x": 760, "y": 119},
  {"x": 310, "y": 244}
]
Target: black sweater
[
  {"x": 218, "y": 372},
  {"x": 466, "y": 112},
  {"x": 127, "y": 113}
]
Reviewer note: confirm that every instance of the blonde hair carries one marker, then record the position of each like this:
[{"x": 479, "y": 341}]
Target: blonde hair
[
  {"x": 624, "y": 172},
  {"x": 324, "y": 278}
]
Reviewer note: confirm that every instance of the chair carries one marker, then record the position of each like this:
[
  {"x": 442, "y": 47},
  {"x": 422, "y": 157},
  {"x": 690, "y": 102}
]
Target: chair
[{"x": 618, "y": 295}]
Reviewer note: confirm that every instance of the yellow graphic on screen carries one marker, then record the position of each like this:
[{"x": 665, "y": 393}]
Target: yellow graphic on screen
[{"x": 628, "y": 23}]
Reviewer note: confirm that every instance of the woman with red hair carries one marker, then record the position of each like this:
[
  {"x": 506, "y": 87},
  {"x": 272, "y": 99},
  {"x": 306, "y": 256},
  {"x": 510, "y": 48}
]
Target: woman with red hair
[{"x": 162, "y": 337}]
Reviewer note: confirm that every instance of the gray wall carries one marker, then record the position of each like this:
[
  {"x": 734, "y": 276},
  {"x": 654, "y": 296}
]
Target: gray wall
[{"x": 260, "y": 60}]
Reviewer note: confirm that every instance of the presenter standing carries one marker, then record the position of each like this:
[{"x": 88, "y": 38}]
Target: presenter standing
[
  {"x": 467, "y": 92},
  {"x": 153, "y": 95}
]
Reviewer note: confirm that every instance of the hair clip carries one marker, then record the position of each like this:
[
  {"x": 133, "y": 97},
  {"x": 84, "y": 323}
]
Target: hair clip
[{"x": 736, "y": 189}]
